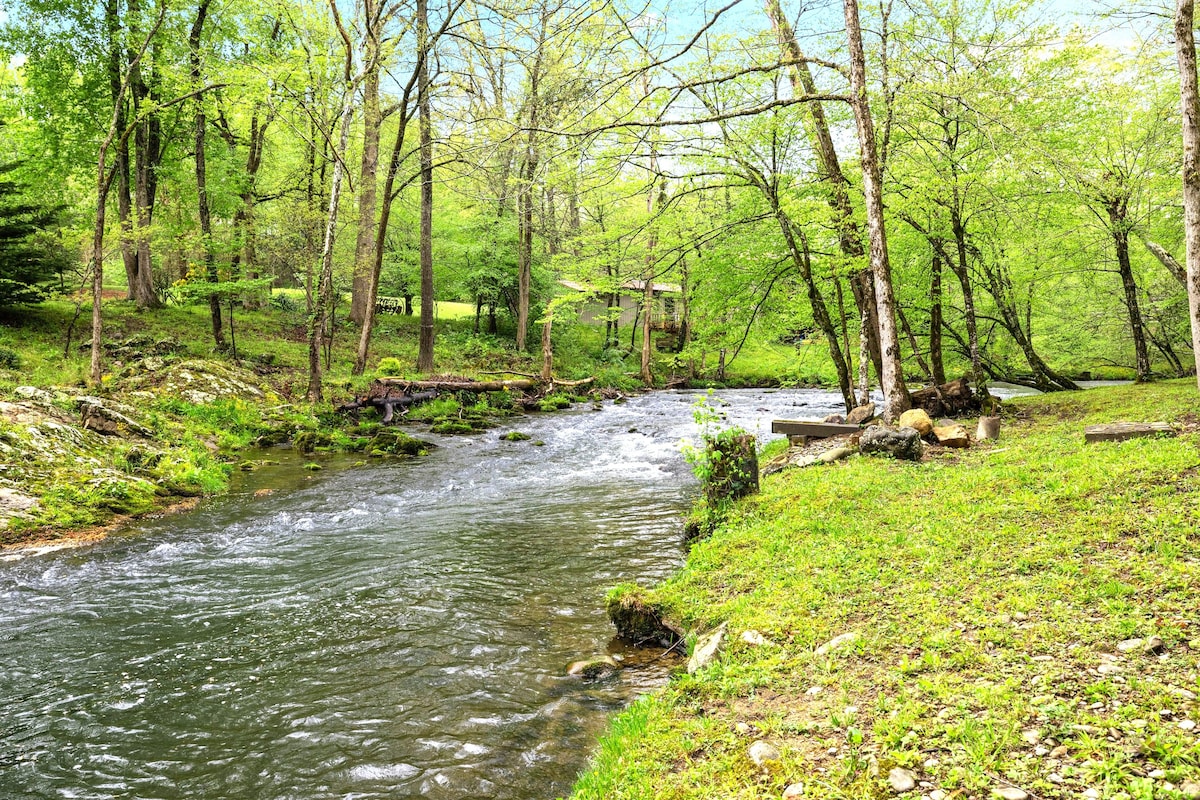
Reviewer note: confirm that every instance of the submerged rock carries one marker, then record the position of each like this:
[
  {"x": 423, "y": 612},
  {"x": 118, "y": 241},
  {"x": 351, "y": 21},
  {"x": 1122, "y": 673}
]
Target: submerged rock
[
  {"x": 390, "y": 442},
  {"x": 594, "y": 668}
]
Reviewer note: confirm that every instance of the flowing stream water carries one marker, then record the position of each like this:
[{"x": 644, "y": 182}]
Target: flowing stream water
[{"x": 393, "y": 630}]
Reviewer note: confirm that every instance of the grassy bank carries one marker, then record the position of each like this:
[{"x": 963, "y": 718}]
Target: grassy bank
[{"x": 990, "y": 590}]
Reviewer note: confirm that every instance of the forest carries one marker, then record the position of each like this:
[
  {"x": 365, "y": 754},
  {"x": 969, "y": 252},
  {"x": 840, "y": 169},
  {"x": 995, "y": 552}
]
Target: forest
[{"x": 916, "y": 190}]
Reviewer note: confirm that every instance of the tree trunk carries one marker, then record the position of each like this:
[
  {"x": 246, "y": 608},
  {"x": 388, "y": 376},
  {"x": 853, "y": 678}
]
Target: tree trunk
[
  {"x": 798, "y": 248},
  {"x": 891, "y": 377},
  {"x": 962, "y": 272},
  {"x": 210, "y": 261},
  {"x": 547, "y": 347},
  {"x": 364, "y": 249},
  {"x": 1119, "y": 227},
  {"x": 936, "y": 363},
  {"x": 121, "y": 160},
  {"x": 146, "y": 143},
  {"x": 425, "y": 341},
  {"x": 319, "y": 321},
  {"x": 1189, "y": 97}
]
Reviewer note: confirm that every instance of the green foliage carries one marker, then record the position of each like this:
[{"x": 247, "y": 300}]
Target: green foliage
[
  {"x": 9, "y": 359},
  {"x": 27, "y": 261},
  {"x": 389, "y": 367}
]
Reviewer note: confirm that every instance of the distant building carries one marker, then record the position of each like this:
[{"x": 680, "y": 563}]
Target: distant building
[{"x": 665, "y": 311}]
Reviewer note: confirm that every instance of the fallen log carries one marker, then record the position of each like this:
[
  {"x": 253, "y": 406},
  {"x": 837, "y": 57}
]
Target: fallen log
[
  {"x": 949, "y": 399},
  {"x": 484, "y": 386},
  {"x": 387, "y": 398}
]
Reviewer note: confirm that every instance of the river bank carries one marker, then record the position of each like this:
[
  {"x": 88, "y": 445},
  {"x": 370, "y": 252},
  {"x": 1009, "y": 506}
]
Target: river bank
[{"x": 1017, "y": 620}]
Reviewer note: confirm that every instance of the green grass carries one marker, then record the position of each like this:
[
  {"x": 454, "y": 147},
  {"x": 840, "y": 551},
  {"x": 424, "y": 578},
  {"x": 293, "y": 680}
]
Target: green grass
[{"x": 988, "y": 588}]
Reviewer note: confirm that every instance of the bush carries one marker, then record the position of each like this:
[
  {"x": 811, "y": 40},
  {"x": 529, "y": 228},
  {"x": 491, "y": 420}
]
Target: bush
[
  {"x": 388, "y": 367},
  {"x": 9, "y": 359}
]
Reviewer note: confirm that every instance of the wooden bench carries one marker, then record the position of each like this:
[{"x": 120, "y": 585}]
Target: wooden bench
[{"x": 800, "y": 431}]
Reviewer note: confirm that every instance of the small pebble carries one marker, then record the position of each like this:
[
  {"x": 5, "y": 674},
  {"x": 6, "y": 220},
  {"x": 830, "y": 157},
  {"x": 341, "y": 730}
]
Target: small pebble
[
  {"x": 1187, "y": 724},
  {"x": 813, "y": 691},
  {"x": 1092, "y": 794},
  {"x": 1129, "y": 645},
  {"x": 1032, "y": 735},
  {"x": 793, "y": 791},
  {"x": 1010, "y": 793},
  {"x": 1108, "y": 669},
  {"x": 1040, "y": 751},
  {"x": 1054, "y": 777},
  {"x": 742, "y": 728},
  {"x": 753, "y": 638},
  {"x": 930, "y": 763},
  {"x": 1153, "y": 645},
  {"x": 937, "y": 794},
  {"x": 1158, "y": 774},
  {"x": 762, "y": 754},
  {"x": 1190, "y": 789},
  {"x": 1186, "y": 694}
]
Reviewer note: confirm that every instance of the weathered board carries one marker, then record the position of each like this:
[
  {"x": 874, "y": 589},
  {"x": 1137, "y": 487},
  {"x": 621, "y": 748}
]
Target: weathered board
[
  {"x": 813, "y": 430},
  {"x": 1120, "y": 431}
]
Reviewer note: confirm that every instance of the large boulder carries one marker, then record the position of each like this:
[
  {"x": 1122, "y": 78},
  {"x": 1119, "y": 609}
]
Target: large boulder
[
  {"x": 861, "y": 414},
  {"x": 952, "y": 436},
  {"x": 918, "y": 419},
  {"x": 904, "y": 444}
]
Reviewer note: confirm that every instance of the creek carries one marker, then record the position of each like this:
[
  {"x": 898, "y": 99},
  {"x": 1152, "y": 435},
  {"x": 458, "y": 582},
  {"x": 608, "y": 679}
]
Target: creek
[{"x": 396, "y": 629}]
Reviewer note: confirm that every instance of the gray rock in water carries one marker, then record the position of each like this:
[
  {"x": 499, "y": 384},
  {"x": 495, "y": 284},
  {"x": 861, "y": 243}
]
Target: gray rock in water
[
  {"x": 594, "y": 668},
  {"x": 861, "y": 414},
  {"x": 708, "y": 647},
  {"x": 904, "y": 443}
]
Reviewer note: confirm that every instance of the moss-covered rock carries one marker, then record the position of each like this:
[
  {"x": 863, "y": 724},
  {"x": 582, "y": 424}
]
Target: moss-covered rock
[
  {"x": 389, "y": 442},
  {"x": 515, "y": 436},
  {"x": 310, "y": 441},
  {"x": 638, "y": 619},
  {"x": 452, "y": 426}
]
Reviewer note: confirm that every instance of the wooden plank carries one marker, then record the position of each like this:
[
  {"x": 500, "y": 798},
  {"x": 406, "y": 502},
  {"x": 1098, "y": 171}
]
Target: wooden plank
[
  {"x": 1120, "y": 431},
  {"x": 813, "y": 430}
]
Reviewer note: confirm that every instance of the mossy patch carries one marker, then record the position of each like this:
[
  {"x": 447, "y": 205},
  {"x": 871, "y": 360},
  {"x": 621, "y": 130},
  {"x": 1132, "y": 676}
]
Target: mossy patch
[{"x": 396, "y": 443}]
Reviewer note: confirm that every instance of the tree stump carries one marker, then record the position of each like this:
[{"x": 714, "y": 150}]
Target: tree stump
[
  {"x": 989, "y": 428},
  {"x": 734, "y": 468}
]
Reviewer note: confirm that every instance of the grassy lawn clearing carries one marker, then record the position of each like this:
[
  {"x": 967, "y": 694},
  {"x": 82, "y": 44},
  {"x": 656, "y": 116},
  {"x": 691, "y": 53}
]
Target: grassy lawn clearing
[{"x": 994, "y": 593}]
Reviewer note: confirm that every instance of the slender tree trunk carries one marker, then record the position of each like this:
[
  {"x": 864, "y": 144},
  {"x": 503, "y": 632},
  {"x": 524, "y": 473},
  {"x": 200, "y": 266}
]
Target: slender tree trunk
[
  {"x": 896, "y": 399},
  {"x": 425, "y": 342},
  {"x": 547, "y": 347},
  {"x": 112, "y": 23},
  {"x": 320, "y": 320},
  {"x": 1189, "y": 96},
  {"x": 210, "y": 261},
  {"x": 935, "y": 321},
  {"x": 525, "y": 199},
  {"x": 798, "y": 248},
  {"x": 962, "y": 271},
  {"x": 145, "y": 146},
  {"x": 1119, "y": 226},
  {"x": 849, "y": 235}
]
